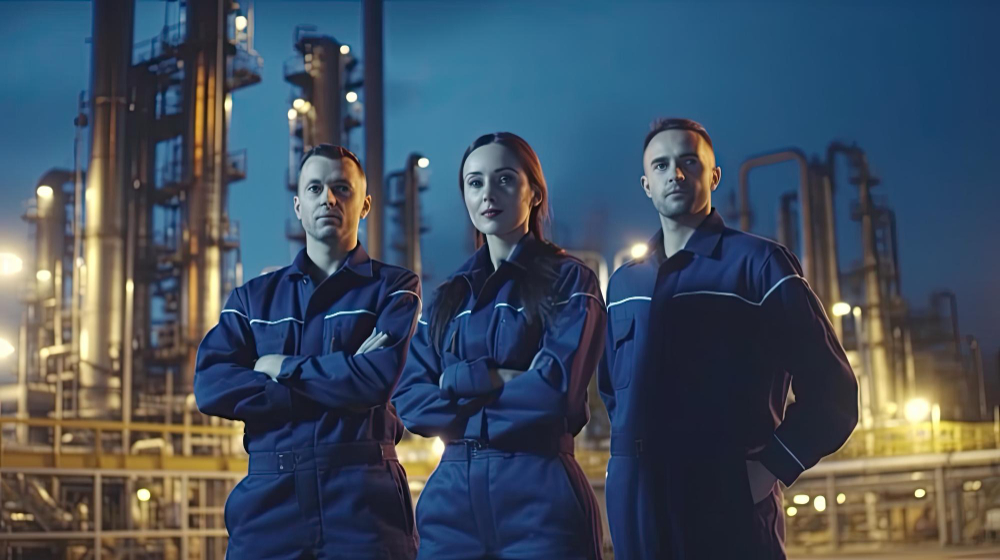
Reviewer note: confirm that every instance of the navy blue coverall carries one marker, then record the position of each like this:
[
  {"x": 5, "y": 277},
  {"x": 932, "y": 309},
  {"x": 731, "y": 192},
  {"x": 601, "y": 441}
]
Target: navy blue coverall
[
  {"x": 507, "y": 485},
  {"x": 323, "y": 477},
  {"x": 701, "y": 350}
]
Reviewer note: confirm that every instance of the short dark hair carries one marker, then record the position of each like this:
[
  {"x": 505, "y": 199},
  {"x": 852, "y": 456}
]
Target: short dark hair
[
  {"x": 661, "y": 125},
  {"x": 333, "y": 152}
]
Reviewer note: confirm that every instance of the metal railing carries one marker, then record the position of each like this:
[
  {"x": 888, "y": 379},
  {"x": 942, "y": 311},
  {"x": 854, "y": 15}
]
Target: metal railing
[
  {"x": 169, "y": 39},
  {"x": 98, "y": 453}
]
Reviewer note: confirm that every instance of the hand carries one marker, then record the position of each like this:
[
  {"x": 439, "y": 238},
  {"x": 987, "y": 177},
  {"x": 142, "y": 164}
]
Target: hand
[
  {"x": 375, "y": 341},
  {"x": 269, "y": 364},
  {"x": 761, "y": 481}
]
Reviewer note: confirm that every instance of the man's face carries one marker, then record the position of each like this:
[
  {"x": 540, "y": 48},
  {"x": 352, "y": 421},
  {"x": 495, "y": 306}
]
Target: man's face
[
  {"x": 332, "y": 198},
  {"x": 680, "y": 173}
]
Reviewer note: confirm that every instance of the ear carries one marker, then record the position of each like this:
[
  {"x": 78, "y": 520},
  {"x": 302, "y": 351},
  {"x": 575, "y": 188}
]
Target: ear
[
  {"x": 645, "y": 186},
  {"x": 366, "y": 206},
  {"x": 716, "y": 177},
  {"x": 297, "y": 206}
]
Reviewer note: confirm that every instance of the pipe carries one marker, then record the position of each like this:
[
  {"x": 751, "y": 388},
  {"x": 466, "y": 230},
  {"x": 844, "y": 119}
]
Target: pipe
[
  {"x": 101, "y": 312},
  {"x": 786, "y": 222},
  {"x": 977, "y": 369},
  {"x": 805, "y": 200},
  {"x": 411, "y": 214},
  {"x": 371, "y": 18},
  {"x": 79, "y": 123},
  {"x": 877, "y": 338},
  {"x": 205, "y": 159},
  {"x": 327, "y": 92}
]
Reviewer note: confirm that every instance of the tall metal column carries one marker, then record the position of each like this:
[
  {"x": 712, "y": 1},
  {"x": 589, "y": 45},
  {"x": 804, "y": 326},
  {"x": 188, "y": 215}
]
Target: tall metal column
[
  {"x": 101, "y": 312},
  {"x": 205, "y": 162},
  {"x": 371, "y": 18}
]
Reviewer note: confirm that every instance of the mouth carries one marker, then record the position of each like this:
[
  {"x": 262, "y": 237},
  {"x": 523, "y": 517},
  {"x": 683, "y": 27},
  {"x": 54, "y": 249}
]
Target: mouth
[
  {"x": 329, "y": 217},
  {"x": 491, "y": 212}
]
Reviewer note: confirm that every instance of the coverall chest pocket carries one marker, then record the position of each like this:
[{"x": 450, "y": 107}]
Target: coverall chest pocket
[
  {"x": 277, "y": 337},
  {"x": 515, "y": 342},
  {"x": 623, "y": 333},
  {"x": 346, "y": 332}
]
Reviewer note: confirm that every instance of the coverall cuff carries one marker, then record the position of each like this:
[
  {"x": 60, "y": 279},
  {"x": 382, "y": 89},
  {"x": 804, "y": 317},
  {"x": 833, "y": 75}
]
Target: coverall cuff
[
  {"x": 280, "y": 394},
  {"x": 467, "y": 379},
  {"x": 780, "y": 460},
  {"x": 290, "y": 367}
]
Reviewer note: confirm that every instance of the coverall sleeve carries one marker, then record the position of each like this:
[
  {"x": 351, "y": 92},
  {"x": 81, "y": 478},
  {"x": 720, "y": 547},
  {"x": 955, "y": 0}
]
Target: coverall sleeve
[
  {"x": 225, "y": 383},
  {"x": 419, "y": 400},
  {"x": 556, "y": 381},
  {"x": 803, "y": 341},
  {"x": 344, "y": 380},
  {"x": 604, "y": 384}
]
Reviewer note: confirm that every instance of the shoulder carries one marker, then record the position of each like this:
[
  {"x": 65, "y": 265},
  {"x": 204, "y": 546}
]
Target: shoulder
[
  {"x": 394, "y": 275},
  {"x": 263, "y": 282}
]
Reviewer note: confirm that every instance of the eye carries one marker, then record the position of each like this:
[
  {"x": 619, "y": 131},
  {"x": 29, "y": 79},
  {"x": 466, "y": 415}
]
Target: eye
[
  {"x": 690, "y": 161},
  {"x": 475, "y": 183},
  {"x": 506, "y": 179},
  {"x": 660, "y": 166},
  {"x": 314, "y": 188},
  {"x": 343, "y": 189}
]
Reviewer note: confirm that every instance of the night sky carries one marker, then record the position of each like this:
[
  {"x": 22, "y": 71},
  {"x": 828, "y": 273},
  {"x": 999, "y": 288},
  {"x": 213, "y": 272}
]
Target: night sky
[{"x": 915, "y": 84}]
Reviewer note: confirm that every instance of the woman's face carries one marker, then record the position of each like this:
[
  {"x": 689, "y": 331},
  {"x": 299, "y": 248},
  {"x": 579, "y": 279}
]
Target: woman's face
[{"x": 497, "y": 193}]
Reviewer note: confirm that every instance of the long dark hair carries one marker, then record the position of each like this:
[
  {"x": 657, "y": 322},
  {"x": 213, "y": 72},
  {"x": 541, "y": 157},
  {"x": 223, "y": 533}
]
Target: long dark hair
[{"x": 535, "y": 287}]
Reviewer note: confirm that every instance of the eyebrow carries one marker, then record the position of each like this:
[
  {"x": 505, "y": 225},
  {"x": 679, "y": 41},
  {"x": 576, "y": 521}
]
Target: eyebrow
[{"x": 666, "y": 158}]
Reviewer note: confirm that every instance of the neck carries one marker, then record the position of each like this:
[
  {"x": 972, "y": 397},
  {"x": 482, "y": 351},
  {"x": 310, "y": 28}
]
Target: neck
[
  {"x": 328, "y": 257},
  {"x": 501, "y": 246},
  {"x": 677, "y": 230}
]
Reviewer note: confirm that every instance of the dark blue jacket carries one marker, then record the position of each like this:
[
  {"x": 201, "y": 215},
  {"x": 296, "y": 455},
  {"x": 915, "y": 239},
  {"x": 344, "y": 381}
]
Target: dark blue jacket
[
  {"x": 344, "y": 395},
  {"x": 701, "y": 351},
  {"x": 323, "y": 476},
  {"x": 549, "y": 400}
]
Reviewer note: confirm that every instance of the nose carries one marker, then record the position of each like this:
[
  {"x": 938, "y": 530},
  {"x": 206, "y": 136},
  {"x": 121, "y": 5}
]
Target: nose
[
  {"x": 331, "y": 199},
  {"x": 488, "y": 191},
  {"x": 678, "y": 174}
]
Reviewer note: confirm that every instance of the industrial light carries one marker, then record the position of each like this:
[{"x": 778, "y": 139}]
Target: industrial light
[
  {"x": 241, "y": 23},
  {"x": 298, "y": 104},
  {"x": 143, "y": 494},
  {"x": 919, "y": 493},
  {"x": 351, "y": 96},
  {"x": 820, "y": 503},
  {"x": 638, "y": 250},
  {"x": 6, "y": 349},
  {"x": 344, "y": 49},
  {"x": 228, "y": 103},
  {"x": 801, "y": 499},
  {"x": 305, "y": 107},
  {"x": 43, "y": 275},
  {"x": 791, "y": 511},
  {"x": 841, "y": 308},
  {"x": 292, "y": 114},
  {"x": 437, "y": 447},
  {"x": 972, "y": 485},
  {"x": 841, "y": 498},
  {"x": 44, "y": 191},
  {"x": 917, "y": 410},
  {"x": 423, "y": 163},
  {"x": 856, "y": 312},
  {"x": 10, "y": 264}
]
